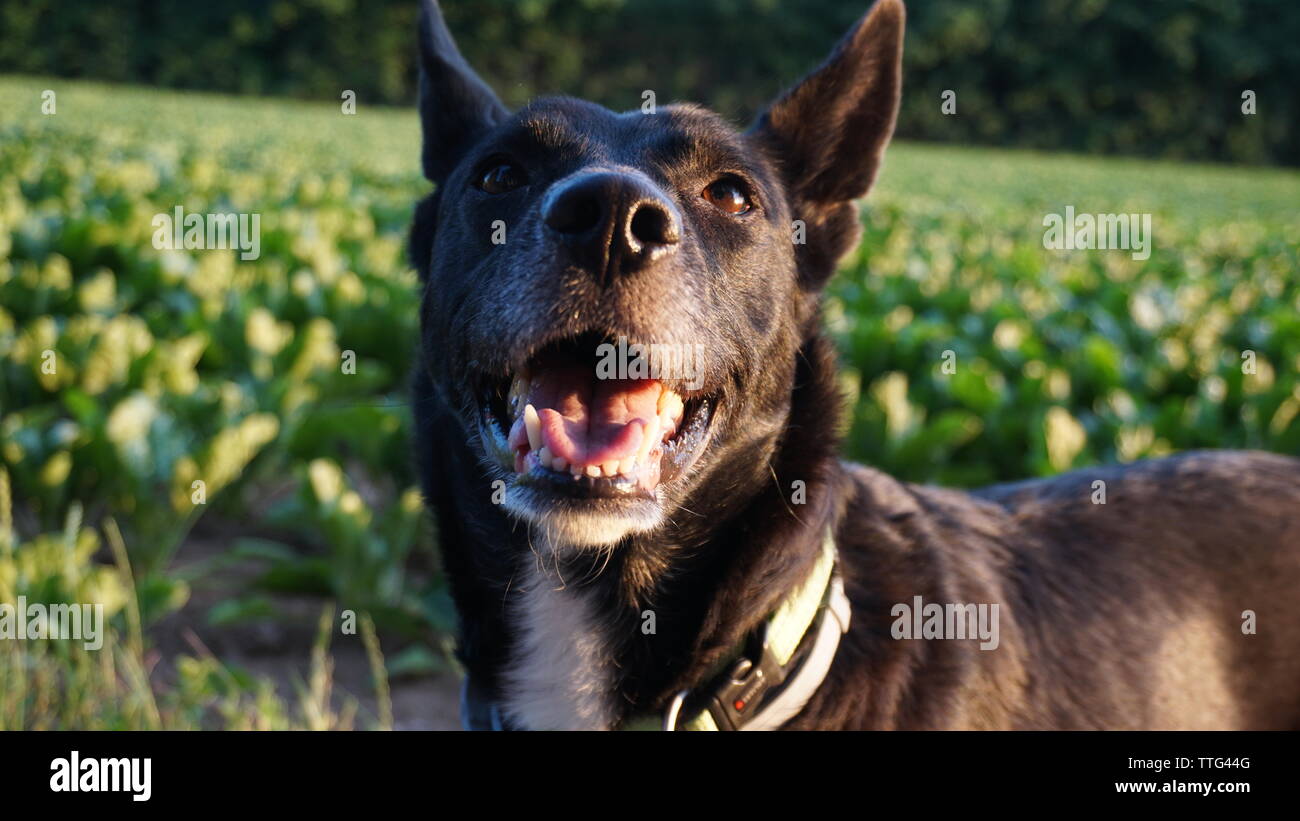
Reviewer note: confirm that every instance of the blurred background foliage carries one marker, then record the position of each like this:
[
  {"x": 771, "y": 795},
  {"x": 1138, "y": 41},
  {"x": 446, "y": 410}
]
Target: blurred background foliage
[{"x": 1153, "y": 78}]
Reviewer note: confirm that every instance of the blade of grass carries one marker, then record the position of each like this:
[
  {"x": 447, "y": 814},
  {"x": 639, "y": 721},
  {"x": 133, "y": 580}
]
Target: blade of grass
[
  {"x": 379, "y": 671},
  {"x": 134, "y": 655}
]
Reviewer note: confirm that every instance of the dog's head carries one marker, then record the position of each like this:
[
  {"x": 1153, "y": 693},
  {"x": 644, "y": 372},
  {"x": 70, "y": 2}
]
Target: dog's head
[{"x": 614, "y": 303}]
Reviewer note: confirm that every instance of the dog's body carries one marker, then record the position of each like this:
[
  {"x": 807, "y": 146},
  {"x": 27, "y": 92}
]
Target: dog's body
[{"x": 599, "y": 510}]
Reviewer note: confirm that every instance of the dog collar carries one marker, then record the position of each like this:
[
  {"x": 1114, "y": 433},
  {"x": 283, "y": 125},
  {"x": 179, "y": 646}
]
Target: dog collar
[
  {"x": 779, "y": 666},
  {"x": 766, "y": 683}
]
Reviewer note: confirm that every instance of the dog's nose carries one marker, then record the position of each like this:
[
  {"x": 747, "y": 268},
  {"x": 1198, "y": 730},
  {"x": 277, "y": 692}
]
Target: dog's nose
[{"x": 612, "y": 222}]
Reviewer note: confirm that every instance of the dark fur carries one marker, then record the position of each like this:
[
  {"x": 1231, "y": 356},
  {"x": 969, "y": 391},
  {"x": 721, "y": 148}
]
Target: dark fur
[{"x": 1123, "y": 615}]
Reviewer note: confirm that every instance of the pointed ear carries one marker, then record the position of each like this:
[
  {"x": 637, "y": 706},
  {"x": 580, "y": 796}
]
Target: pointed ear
[
  {"x": 456, "y": 107},
  {"x": 828, "y": 133}
]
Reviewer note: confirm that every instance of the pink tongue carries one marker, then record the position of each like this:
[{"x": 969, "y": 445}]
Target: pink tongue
[{"x": 589, "y": 421}]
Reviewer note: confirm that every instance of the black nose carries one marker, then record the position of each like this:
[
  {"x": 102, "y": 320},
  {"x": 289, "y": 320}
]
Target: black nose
[{"x": 612, "y": 222}]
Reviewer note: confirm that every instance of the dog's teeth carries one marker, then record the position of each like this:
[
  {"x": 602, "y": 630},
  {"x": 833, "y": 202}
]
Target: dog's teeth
[
  {"x": 627, "y": 467},
  {"x": 670, "y": 407},
  {"x": 559, "y": 464},
  {"x": 650, "y": 440},
  {"x": 576, "y": 470},
  {"x": 593, "y": 471},
  {"x": 610, "y": 468},
  {"x": 668, "y": 425},
  {"x": 534, "y": 425},
  {"x": 544, "y": 456}
]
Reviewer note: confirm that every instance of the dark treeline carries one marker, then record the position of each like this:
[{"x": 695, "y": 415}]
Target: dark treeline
[{"x": 1144, "y": 77}]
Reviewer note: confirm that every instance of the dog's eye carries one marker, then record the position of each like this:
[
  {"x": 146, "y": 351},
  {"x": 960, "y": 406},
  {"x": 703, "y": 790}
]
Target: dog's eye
[
  {"x": 728, "y": 195},
  {"x": 501, "y": 178}
]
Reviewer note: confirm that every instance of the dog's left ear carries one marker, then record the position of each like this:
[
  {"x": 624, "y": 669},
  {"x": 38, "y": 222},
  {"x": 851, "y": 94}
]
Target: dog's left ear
[
  {"x": 828, "y": 133},
  {"x": 456, "y": 107}
]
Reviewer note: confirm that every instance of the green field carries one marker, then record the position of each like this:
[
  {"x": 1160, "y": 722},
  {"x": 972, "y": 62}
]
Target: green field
[{"x": 175, "y": 367}]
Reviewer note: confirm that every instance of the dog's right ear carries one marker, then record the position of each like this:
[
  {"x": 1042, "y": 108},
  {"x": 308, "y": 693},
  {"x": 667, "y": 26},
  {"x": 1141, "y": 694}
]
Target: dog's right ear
[
  {"x": 456, "y": 107},
  {"x": 828, "y": 134}
]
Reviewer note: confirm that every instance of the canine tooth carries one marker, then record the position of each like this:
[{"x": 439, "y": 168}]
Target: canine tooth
[
  {"x": 671, "y": 403},
  {"x": 534, "y": 425},
  {"x": 559, "y": 464},
  {"x": 668, "y": 425},
  {"x": 649, "y": 440},
  {"x": 610, "y": 468},
  {"x": 544, "y": 456},
  {"x": 593, "y": 471}
]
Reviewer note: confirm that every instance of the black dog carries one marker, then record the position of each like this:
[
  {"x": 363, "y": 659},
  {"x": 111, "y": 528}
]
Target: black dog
[{"x": 683, "y": 548}]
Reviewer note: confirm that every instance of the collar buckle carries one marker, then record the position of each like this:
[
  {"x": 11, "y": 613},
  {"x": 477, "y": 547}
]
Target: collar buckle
[{"x": 740, "y": 691}]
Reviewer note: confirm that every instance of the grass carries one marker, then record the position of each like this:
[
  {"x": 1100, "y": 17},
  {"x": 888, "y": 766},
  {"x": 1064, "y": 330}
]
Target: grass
[
  {"x": 161, "y": 391},
  {"x": 48, "y": 685}
]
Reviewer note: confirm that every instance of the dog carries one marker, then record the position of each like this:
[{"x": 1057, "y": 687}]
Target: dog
[{"x": 624, "y": 548}]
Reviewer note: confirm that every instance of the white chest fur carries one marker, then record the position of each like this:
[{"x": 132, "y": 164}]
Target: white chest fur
[{"x": 562, "y": 674}]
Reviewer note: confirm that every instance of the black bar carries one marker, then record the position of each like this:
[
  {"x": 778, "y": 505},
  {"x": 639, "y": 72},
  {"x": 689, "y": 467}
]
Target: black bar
[{"x": 305, "y": 770}]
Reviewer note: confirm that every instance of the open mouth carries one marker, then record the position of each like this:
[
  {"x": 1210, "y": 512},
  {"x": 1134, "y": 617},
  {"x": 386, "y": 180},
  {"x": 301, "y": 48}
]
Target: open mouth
[{"x": 564, "y": 424}]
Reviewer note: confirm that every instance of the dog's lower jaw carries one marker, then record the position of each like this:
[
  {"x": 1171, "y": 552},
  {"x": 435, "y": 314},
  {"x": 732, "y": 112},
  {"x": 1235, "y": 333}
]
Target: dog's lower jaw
[
  {"x": 566, "y": 529},
  {"x": 577, "y": 531},
  {"x": 561, "y": 675}
]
